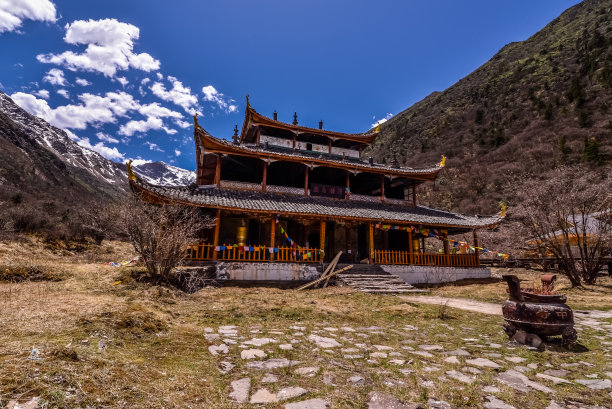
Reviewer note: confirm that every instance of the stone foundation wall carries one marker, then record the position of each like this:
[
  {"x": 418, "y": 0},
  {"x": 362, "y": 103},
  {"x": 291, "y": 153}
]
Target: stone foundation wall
[
  {"x": 267, "y": 271},
  {"x": 433, "y": 275}
]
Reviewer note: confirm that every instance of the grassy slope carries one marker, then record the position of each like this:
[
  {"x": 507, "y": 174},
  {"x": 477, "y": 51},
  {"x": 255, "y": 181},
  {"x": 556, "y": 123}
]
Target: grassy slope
[
  {"x": 156, "y": 355},
  {"x": 503, "y": 123}
]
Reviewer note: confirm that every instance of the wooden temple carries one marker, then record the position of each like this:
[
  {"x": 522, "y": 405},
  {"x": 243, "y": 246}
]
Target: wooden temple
[{"x": 286, "y": 193}]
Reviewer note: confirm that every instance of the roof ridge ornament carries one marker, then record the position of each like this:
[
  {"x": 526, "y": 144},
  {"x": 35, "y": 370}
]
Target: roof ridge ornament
[
  {"x": 131, "y": 175},
  {"x": 503, "y": 209},
  {"x": 442, "y": 162},
  {"x": 248, "y": 103},
  {"x": 295, "y": 121},
  {"x": 235, "y": 137}
]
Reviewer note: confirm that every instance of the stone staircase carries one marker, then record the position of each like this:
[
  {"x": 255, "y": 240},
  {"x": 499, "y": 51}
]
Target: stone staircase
[{"x": 371, "y": 278}]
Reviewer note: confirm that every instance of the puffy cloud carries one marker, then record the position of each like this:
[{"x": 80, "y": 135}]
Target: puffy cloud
[
  {"x": 381, "y": 121},
  {"x": 179, "y": 94},
  {"x": 158, "y": 111},
  {"x": 212, "y": 95},
  {"x": 43, "y": 93},
  {"x": 14, "y": 12},
  {"x": 145, "y": 81},
  {"x": 93, "y": 109},
  {"x": 82, "y": 82},
  {"x": 153, "y": 146},
  {"x": 177, "y": 152},
  {"x": 110, "y": 46},
  {"x": 138, "y": 161},
  {"x": 182, "y": 124},
  {"x": 123, "y": 81},
  {"x": 63, "y": 93},
  {"x": 55, "y": 77},
  {"x": 106, "y": 151},
  {"x": 152, "y": 123},
  {"x": 106, "y": 138},
  {"x": 33, "y": 105}
]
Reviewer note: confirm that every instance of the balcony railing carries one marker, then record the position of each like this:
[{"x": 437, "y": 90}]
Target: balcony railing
[
  {"x": 427, "y": 259},
  {"x": 204, "y": 252}
]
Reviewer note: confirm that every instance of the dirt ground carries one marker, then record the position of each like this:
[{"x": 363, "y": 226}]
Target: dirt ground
[{"x": 86, "y": 335}]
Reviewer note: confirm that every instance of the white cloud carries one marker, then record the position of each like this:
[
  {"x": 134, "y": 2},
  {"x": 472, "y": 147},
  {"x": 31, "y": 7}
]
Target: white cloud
[
  {"x": 145, "y": 81},
  {"x": 153, "y": 146},
  {"x": 138, "y": 161},
  {"x": 93, "y": 109},
  {"x": 159, "y": 76},
  {"x": 381, "y": 121},
  {"x": 157, "y": 111},
  {"x": 177, "y": 152},
  {"x": 55, "y": 77},
  {"x": 82, "y": 82},
  {"x": 106, "y": 151},
  {"x": 63, "y": 93},
  {"x": 182, "y": 124},
  {"x": 35, "y": 106},
  {"x": 152, "y": 123},
  {"x": 110, "y": 45},
  {"x": 179, "y": 94},
  {"x": 141, "y": 91},
  {"x": 212, "y": 95},
  {"x": 43, "y": 93},
  {"x": 123, "y": 81},
  {"x": 106, "y": 138},
  {"x": 13, "y": 12}
]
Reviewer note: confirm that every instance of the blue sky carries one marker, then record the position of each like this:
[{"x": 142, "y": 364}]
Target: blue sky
[{"x": 124, "y": 77}]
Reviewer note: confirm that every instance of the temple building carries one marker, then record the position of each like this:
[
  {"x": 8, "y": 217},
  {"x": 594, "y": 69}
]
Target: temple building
[{"x": 288, "y": 198}]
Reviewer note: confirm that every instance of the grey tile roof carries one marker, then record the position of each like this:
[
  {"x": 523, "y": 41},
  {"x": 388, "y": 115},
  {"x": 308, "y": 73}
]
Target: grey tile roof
[{"x": 214, "y": 197}]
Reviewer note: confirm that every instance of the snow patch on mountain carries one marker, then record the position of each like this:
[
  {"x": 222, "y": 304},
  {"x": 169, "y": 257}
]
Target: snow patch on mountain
[{"x": 162, "y": 174}]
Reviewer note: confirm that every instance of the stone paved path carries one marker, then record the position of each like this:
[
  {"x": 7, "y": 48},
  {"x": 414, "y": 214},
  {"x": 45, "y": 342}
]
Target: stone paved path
[{"x": 461, "y": 303}]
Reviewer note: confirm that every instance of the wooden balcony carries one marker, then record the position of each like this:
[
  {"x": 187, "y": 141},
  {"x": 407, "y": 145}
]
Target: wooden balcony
[
  {"x": 440, "y": 260},
  {"x": 204, "y": 252}
]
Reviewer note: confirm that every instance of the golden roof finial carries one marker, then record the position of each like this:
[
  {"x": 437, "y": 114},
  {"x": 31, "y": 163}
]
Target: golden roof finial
[
  {"x": 442, "y": 162},
  {"x": 131, "y": 175},
  {"x": 504, "y": 208},
  {"x": 195, "y": 121},
  {"x": 377, "y": 130}
]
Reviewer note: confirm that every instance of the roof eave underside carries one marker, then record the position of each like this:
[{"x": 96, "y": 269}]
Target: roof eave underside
[
  {"x": 273, "y": 205},
  {"x": 212, "y": 144},
  {"x": 252, "y": 117}
]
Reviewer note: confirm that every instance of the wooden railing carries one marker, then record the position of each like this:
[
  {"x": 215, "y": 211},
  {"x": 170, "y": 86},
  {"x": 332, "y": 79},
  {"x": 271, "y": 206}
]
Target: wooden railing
[
  {"x": 203, "y": 252},
  {"x": 418, "y": 259}
]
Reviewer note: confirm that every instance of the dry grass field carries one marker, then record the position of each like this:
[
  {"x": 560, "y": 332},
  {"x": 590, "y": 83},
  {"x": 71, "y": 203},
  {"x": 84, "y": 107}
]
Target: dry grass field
[{"x": 103, "y": 344}]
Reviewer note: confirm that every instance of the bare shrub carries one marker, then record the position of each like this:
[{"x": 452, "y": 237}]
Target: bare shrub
[
  {"x": 160, "y": 234},
  {"x": 570, "y": 220}
]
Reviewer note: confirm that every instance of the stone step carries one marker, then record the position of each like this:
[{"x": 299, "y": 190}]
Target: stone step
[{"x": 376, "y": 281}]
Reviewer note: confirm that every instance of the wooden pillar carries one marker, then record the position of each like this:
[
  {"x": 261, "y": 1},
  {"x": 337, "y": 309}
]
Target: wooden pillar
[
  {"x": 264, "y": 179},
  {"x": 371, "y": 255},
  {"x": 322, "y": 238},
  {"x": 216, "y": 234},
  {"x": 272, "y": 236},
  {"x": 347, "y": 237},
  {"x": 446, "y": 249},
  {"x": 423, "y": 245},
  {"x": 218, "y": 171},
  {"x": 258, "y": 135},
  {"x": 476, "y": 252},
  {"x": 348, "y": 181},
  {"x": 414, "y": 195},
  {"x": 294, "y": 136},
  {"x": 410, "y": 246},
  {"x": 329, "y": 146},
  {"x": 382, "y": 188},
  {"x": 306, "y": 181}
]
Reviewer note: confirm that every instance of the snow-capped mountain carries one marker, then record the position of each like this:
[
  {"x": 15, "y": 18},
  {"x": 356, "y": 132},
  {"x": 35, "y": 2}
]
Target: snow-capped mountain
[
  {"x": 57, "y": 141},
  {"x": 160, "y": 173},
  {"x": 70, "y": 152}
]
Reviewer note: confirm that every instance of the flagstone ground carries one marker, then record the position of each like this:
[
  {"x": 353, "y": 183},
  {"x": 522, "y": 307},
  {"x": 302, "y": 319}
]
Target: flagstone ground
[{"x": 134, "y": 345}]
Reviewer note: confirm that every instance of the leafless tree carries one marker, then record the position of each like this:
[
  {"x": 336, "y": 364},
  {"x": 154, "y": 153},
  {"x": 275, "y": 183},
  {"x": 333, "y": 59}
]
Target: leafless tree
[
  {"x": 160, "y": 234},
  {"x": 569, "y": 218}
]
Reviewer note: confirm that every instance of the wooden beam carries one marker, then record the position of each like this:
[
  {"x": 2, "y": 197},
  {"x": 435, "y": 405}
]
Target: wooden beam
[
  {"x": 371, "y": 236},
  {"x": 322, "y": 237},
  {"x": 476, "y": 252},
  {"x": 330, "y": 268},
  {"x": 264, "y": 179},
  {"x": 258, "y": 135},
  {"x": 318, "y": 280},
  {"x": 218, "y": 171},
  {"x": 216, "y": 234},
  {"x": 329, "y": 147},
  {"x": 410, "y": 246},
  {"x": 382, "y": 188},
  {"x": 272, "y": 236},
  {"x": 306, "y": 181}
]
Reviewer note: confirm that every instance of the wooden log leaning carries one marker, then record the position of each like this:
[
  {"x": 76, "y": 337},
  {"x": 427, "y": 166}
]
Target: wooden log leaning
[
  {"x": 330, "y": 268},
  {"x": 318, "y": 280}
]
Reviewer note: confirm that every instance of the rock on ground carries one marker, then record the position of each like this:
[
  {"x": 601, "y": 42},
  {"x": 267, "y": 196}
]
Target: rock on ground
[
  {"x": 241, "y": 389},
  {"x": 380, "y": 400},
  {"x": 461, "y": 377},
  {"x": 271, "y": 363},
  {"x": 520, "y": 382},
  {"x": 495, "y": 403},
  {"x": 31, "y": 404},
  {"x": 263, "y": 396},
  {"x": 290, "y": 393},
  {"x": 596, "y": 384},
  {"x": 482, "y": 362},
  {"x": 438, "y": 404},
  {"x": 324, "y": 342},
  {"x": 252, "y": 354},
  {"x": 308, "y": 404}
]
